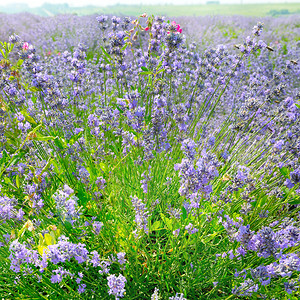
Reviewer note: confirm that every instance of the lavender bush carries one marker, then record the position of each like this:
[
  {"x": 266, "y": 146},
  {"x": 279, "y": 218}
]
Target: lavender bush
[{"x": 136, "y": 163}]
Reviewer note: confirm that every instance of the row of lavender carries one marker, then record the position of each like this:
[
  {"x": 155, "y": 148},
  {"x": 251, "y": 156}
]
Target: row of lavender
[{"x": 137, "y": 163}]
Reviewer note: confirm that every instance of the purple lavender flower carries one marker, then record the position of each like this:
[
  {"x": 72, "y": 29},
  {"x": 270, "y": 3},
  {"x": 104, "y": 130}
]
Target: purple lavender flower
[
  {"x": 116, "y": 285},
  {"x": 189, "y": 148},
  {"x": 66, "y": 204},
  {"x": 257, "y": 29},
  {"x": 121, "y": 258},
  {"x": 176, "y": 232},
  {"x": 97, "y": 227},
  {"x": 65, "y": 251},
  {"x": 141, "y": 215},
  {"x": 8, "y": 209},
  {"x": 247, "y": 288},
  {"x": 155, "y": 295},
  {"x": 191, "y": 229},
  {"x": 78, "y": 280},
  {"x": 196, "y": 178},
  {"x": 145, "y": 180},
  {"x": 291, "y": 286},
  {"x": 178, "y": 296},
  {"x": 81, "y": 288},
  {"x": 267, "y": 244}
]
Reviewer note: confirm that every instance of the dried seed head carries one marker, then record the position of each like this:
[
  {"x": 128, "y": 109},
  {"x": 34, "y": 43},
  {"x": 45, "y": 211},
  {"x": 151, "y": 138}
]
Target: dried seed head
[{"x": 134, "y": 37}]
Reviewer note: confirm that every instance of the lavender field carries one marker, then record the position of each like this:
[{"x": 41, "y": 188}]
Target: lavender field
[{"x": 149, "y": 158}]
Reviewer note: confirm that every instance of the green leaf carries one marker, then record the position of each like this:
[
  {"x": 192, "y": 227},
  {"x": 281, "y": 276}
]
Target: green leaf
[
  {"x": 119, "y": 109},
  {"x": 168, "y": 222},
  {"x": 161, "y": 70},
  {"x": 184, "y": 213},
  {"x": 294, "y": 201},
  {"x": 34, "y": 89},
  {"x": 146, "y": 73},
  {"x": 284, "y": 171},
  {"x": 56, "y": 167},
  {"x": 106, "y": 54},
  {"x": 145, "y": 69},
  {"x": 156, "y": 225},
  {"x": 103, "y": 167},
  {"x": 40, "y": 137},
  {"x": 18, "y": 181},
  {"x": 106, "y": 60},
  {"x": 20, "y": 62},
  {"x": 83, "y": 197},
  {"x": 8, "y": 182},
  {"x": 50, "y": 240},
  {"x": 4, "y": 158},
  {"x": 185, "y": 255},
  {"x": 28, "y": 117},
  {"x": 60, "y": 143}
]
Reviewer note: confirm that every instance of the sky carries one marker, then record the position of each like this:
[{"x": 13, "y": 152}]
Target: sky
[{"x": 35, "y": 3}]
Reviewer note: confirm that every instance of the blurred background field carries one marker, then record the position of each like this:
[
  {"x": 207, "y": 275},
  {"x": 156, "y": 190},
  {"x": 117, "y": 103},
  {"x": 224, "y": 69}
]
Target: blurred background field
[{"x": 259, "y": 10}]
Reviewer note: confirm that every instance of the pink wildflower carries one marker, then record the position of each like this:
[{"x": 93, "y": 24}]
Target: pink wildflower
[
  {"x": 147, "y": 28},
  {"x": 25, "y": 46},
  {"x": 177, "y": 26}
]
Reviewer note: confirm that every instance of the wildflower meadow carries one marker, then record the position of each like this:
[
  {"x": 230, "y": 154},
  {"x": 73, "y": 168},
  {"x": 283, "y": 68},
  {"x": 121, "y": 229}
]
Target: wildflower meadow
[{"x": 149, "y": 158}]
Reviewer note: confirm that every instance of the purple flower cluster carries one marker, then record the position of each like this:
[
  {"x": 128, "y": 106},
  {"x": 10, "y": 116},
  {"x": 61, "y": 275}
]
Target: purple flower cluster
[
  {"x": 59, "y": 274},
  {"x": 23, "y": 259},
  {"x": 97, "y": 227},
  {"x": 66, "y": 204},
  {"x": 178, "y": 296},
  {"x": 195, "y": 177},
  {"x": 8, "y": 209},
  {"x": 191, "y": 229},
  {"x": 20, "y": 255},
  {"x": 247, "y": 288},
  {"x": 266, "y": 242},
  {"x": 141, "y": 216},
  {"x": 116, "y": 285}
]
